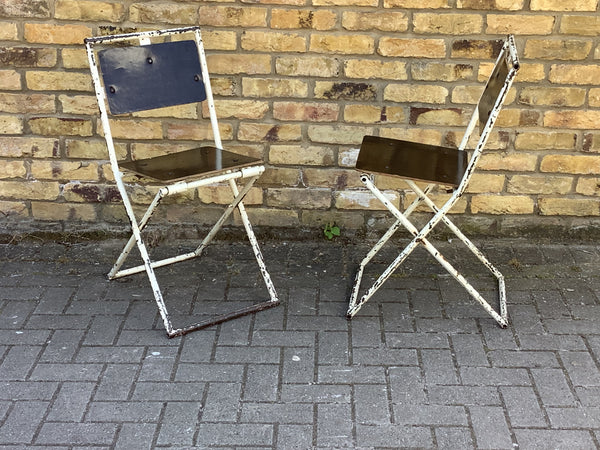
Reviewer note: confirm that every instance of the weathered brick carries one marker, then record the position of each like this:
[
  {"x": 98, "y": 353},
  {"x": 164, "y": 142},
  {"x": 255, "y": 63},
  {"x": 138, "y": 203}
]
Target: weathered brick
[
  {"x": 89, "y": 10},
  {"x": 266, "y": 132},
  {"x": 580, "y": 25},
  {"x": 42, "y": 33},
  {"x": 58, "y": 81},
  {"x": 8, "y": 209},
  {"x": 519, "y": 24},
  {"x": 588, "y": 186},
  {"x": 594, "y": 97},
  {"x": 512, "y": 162},
  {"x": 558, "y": 5},
  {"x": 432, "y": 23},
  {"x": 486, "y": 182},
  {"x": 188, "y": 111},
  {"x": 552, "y": 96},
  {"x": 591, "y": 142},
  {"x": 312, "y": 66},
  {"x": 237, "y": 63},
  {"x": 221, "y": 195},
  {"x": 374, "y": 114},
  {"x": 274, "y": 87},
  {"x": 568, "y": 207},
  {"x": 473, "y": 48},
  {"x": 552, "y": 49},
  {"x": 347, "y": 44},
  {"x": 296, "y": 18},
  {"x": 363, "y": 200},
  {"x": 384, "y": 21},
  {"x": 539, "y": 184},
  {"x": 338, "y": 179},
  {"x": 10, "y": 80},
  {"x": 586, "y": 119},
  {"x": 345, "y": 91},
  {"x": 27, "y": 103},
  {"x": 512, "y": 5},
  {"x": 501, "y": 204},
  {"x": 305, "y": 156},
  {"x": 368, "y": 68},
  {"x": 12, "y": 169},
  {"x": 576, "y": 164},
  {"x": 195, "y": 131},
  {"x": 230, "y": 16},
  {"x": 241, "y": 109},
  {"x": 344, "y": 219},
  {"x": 78, "y": 104},
  {"x": 441, "y": 72},
  {"x": 63, "y": 211},
  {"x": 64, "y": 170},
  {"x": 430, "y": 116},
  {"x": 219, "y": 40},
  {"x": 404, "y": 93},
  {"x": 25, "y": 8},
  {"x": 280, "y": 176},
  {"x": 31, "y": 190},
  {"x": 27, "y": 57},
  {"x": 74, "y": 58},
  {"x": 28, "y": 147},
  {"x": 344, "y": 2},
  {"x": 59, "y": 126},
  {"x": 163, "y": 13},
  {"x": 412, "y": 48},
  {"x": 273, "y": 42},
  {"x": 574, "y": 74},
  {"x": 431, "y": 4},
  {"x": 308, "y": 112},
  {"x": 95, "y": 149},
  {"x": 534, "y": 140},
  {"x": 304, "y": 198},
  {"x": 90, "y": 193},
  {"x": 8, "y": 31},
  {"x": 341, "y": 134},
  {"x": 11, "y": 125},
  {"x": 270, "y": 217}
]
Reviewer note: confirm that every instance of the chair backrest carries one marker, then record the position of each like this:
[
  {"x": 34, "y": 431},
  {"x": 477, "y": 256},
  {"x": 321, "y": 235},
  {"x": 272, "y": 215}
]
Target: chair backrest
[{"x": 142, "y": 77}]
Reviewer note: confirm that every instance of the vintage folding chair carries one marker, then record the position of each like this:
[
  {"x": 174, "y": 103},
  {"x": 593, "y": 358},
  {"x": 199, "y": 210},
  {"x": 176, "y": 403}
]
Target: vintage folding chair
[
  {"x": 132, "y": 73},
  {"x": 437, "y": 166}
]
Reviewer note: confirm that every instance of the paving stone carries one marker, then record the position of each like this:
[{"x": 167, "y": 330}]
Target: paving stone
[
  {"x": 53, "y": 433},
  {"x": 136, "y": 435},
  {"x": 18, "y": 362},
  {"x": 371, "y": 404},
  {"x": 120, "y": 412},
  {"x": 22, "y": 422},
  {"x": 280, "y": 413},
  {"x": 523, "y": 407},
  {"x": 261, "y": 382},
  {"x": 222, "y": 402},
  {"x": 334, "y": 425},
  {"x": 453, "y": 437},
  {"x": 581, "y": 368},
  {"x": 490, "y": 427},
  {"x": 554, "y": 439},
  {"x": 233, "y": 434},
  {"x": 397, "y": 435},
  {"x": 72, "y": 402},
  {"x": 553, "y": 387},
  {"x": 295, "y": 437}
]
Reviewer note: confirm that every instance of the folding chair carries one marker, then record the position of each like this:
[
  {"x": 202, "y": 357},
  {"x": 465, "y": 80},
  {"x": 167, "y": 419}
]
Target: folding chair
[
  {"x": 133, "y": 73},
  {"x": 437, "y": 166}
]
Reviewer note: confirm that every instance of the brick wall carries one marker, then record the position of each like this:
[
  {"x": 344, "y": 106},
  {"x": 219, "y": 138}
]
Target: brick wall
[{"x": 299, "y": 83}]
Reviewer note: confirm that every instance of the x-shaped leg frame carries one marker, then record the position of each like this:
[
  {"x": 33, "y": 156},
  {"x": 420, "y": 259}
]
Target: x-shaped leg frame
[
  {"x": 420, "y": 238},
  {"x": 148, "y": 265}
]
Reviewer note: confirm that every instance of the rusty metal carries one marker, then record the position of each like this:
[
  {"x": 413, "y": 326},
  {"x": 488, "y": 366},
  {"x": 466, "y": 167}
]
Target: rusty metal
[
  {"x": 508, "y": 63},
  {"x": 222, "y": 167}
]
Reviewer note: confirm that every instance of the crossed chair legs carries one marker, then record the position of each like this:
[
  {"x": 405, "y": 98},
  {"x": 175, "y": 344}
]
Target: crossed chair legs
[{"x": 420, "y": 238}]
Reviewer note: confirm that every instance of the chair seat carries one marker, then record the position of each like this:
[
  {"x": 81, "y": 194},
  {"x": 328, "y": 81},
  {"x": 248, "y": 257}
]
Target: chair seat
[
  {"x": 416, "y": 161},
  {"x": 189, "y": 163}
]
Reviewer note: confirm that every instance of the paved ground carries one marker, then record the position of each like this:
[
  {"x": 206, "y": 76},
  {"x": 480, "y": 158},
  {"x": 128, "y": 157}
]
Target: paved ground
[{"x": 84, "y": 362}]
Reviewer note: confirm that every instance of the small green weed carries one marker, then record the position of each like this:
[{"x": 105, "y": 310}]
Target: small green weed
[{"x": 331, "y": 230}]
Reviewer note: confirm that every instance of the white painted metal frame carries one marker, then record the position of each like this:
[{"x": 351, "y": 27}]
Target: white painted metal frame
[
  {"x": 420, "y": 236},
  {"x": 250, "y": 174}
]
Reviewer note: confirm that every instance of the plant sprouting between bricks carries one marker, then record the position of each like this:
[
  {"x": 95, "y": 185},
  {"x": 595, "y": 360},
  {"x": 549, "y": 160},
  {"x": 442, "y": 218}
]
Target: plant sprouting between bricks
[{"x": 331, "y": 230}]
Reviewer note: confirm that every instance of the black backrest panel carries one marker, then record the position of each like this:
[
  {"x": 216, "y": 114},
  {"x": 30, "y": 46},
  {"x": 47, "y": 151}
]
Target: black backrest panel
[
  {"x": 492, "y": 90},
  {"x": 151, "y": 76}
]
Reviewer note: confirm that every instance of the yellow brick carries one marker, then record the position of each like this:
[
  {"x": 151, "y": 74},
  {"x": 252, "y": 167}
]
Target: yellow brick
[
  {"x": 539, "y": 184},
  {"x": 74, "y": 58},
  {"x": 58, "y": 81},
  {"x": 577, "y": 164},
  {"x": 273, "y": 42},
  {"x": 27, "y": 103},
  {"x": 531, "y": 73},
  {"x": 10, "y": 80},
  {"x": 441, "y": 72},
  {"x": 96, "y": 149},
  {"x": 273, "y": 87},
  {"x": 363, "y": 200},
  {"x": 404, "y": 93},
  {"x": 25, "y": 8},
  {"x": 591, "y": 142},
  {"x": 347, "y": 44},
  {"x": 338, "y": 179},
  {"x": 63, "y": 211},
  {"x": 57, "y": 126},
  {"x": 241, "y": 109},
  {"x": 311, "y": 66},
  {"x": 417, "y": 4},
  {"x": 149, "y": 149},
  {"x": 27, "y": 147},
  {"x": 373, "y": 114},
  {"x": 152, "y": 12},
  {"x": 581, "y": 25},
  {"x": 221, "y": 195},
  {"x": 345, "y": 2},
  {"x": 383, "y": 21},
  {"x": 412, "y": 48},
  {"x": 295, "y": 18},
  {"x": 587, "y": 119},
  {"x": 8, "y": 209},
  {"x": 268, "y": 132},
  {"x": 12, "y": 169},
  {"x": 345, "y": 91},
  {"x": 304, "y": 198},
  {"x": 433, "y": 23},
  {"x": 8, "y": 31},
  {"x": 42, "y": 33},
  {"x": 197, "y": 131},
  {"x": 368, "y": 68},
  {"x": 519, "y": 24},
  {"x": 236, "y": 64},
  {"x": 64, "y": 170},
  {"x": 89, "y": 10},
  {"x": 189, "y": 111},
  {"x": 298, "y": 155},
  {"x": 30, "y": 190},
  {"x": 439, "y": 199},
  {"x": 230, "y": 16},
  {"x": 91, "y": 193},
  {"x": 219, "y": 40},
  {"x": 512, "y": 162},
  {"x": 552, "y": 96},
  {"x": 78, "y": 104},
  {"x": 28, "y": 57},
  {"x": 280, "y": 176},
  {"x": 438, "y": 117},
  {"x": 588, "y": 186},
  {"x": 574, "y": 74},
  {"x": 486, "y": 182},
  {"x": 513, "y": 5},
  {"x": 340, "y": 134},
  {"x": 308, "y": 112},
  {"x": 11, "y": 125},
  {"x": 560, "y": 5},
  {"x": 568, "y": 207},
  {"x": 501, "y": 204},
  {"x": 594, "y": 95},
  {"x": 552, "y": 49},
  {"x": 535, "y": 140},
  {"x": 270, "y": 217},
  {"x": 427, "y": 136},
  {"x": 136, "y": 129}
]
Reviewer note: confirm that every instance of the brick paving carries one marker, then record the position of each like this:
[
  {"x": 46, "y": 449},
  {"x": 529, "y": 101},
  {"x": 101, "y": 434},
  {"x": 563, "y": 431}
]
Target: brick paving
[{"x": 85, "y": 363}]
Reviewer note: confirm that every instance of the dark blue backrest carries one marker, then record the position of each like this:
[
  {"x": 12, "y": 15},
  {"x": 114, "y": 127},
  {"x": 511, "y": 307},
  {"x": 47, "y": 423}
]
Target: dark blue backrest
[{"x": 151, "y": 76}]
